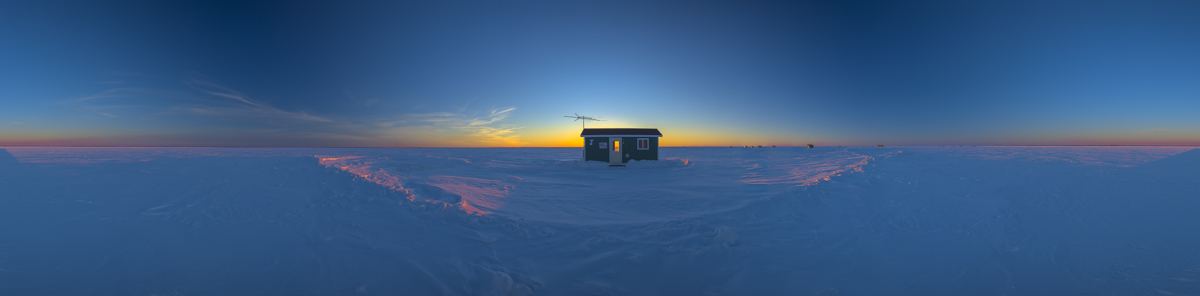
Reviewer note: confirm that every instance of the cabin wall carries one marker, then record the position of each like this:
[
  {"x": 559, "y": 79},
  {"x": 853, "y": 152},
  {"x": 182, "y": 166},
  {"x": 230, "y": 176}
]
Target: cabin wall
[
  {"x": 629, "y": 145},
  {"x": 592, "y": 150}
]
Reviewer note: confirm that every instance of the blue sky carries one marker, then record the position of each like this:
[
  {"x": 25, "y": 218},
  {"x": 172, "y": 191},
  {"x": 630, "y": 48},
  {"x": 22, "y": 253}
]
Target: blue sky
[{"x": 491, "y": 73}]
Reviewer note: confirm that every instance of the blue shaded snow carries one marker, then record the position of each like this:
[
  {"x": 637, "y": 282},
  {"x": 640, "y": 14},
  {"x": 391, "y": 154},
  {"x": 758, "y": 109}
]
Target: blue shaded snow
[{"x": 535, "y": 221}]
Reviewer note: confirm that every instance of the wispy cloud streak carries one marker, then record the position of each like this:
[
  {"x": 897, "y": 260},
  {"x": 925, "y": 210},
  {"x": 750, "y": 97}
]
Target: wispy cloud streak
[
  {"x": 452, "y": 129},
  {"x": 243, "y": 105},
  {"x": 120, "y": 92},
  {"x": 221, "y": 115},
  {"x": 496, "y": 115}
]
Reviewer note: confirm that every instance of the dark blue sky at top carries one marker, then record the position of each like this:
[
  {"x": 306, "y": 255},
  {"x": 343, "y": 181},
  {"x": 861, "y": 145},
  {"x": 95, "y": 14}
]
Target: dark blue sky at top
[{"x": 503, "y": 73}]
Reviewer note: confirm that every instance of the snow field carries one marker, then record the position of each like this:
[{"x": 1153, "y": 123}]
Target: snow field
[{"x": 534, "y": 221}]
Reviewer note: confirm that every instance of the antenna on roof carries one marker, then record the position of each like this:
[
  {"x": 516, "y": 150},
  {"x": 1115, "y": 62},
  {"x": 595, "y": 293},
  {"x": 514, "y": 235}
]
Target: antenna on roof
[{"x": 585, "y": 119}]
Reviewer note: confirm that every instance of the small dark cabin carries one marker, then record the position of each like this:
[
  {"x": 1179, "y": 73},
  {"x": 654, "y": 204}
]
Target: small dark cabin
[{"x": 620, "y": 145}]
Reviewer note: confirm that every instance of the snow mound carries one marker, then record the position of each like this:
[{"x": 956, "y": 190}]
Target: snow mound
[{"x": 508, "y": 182}]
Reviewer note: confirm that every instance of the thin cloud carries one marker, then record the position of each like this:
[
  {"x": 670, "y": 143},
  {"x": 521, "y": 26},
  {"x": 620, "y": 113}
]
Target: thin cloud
[
  {"x": 452, "y": 129},
  {"x": 248, "y": 121},
  {"x": 243, "y": 105},
  {"x": 496, "y": 115},
  {"x": 122, "y": 92}
]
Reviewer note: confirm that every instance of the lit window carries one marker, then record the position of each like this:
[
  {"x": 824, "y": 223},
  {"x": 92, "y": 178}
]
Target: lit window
[
  {"x": 643, "y": 143},
  {"x": 617, "y": 145}
]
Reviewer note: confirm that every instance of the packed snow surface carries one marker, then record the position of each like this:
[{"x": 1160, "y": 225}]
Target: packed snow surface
[{"x": 538, "y": 221}]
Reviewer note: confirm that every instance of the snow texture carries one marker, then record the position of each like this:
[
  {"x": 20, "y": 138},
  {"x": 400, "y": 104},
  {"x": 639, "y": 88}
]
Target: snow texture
[{"x": 537, "y": 221}]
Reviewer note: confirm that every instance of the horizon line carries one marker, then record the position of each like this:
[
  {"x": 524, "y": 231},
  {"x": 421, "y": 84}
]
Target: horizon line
[{"x": 683, "y": 146}]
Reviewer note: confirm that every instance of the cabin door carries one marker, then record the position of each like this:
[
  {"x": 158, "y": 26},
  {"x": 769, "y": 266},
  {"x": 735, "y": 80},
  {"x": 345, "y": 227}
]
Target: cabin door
[{"x": 614, "y": 150}]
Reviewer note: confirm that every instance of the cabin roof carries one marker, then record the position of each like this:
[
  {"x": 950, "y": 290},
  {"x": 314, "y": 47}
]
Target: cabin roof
[{"x": 644, "y": 132}]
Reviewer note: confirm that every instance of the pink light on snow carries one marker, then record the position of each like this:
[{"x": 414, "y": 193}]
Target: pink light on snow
[
  {"x": 364, "y": 168},
  {"x": 478, "y": 195},
  {"x": 803, "y": 171}
]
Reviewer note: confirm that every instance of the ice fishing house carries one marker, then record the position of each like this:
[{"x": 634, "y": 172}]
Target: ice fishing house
[{"x": 620, "y": 145}]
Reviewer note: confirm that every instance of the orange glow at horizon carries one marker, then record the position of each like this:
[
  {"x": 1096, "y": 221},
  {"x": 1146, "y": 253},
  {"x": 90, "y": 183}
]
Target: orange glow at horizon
[
  {"x": 717, "y": 137},
  {"x": 568, "y": 136}
]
